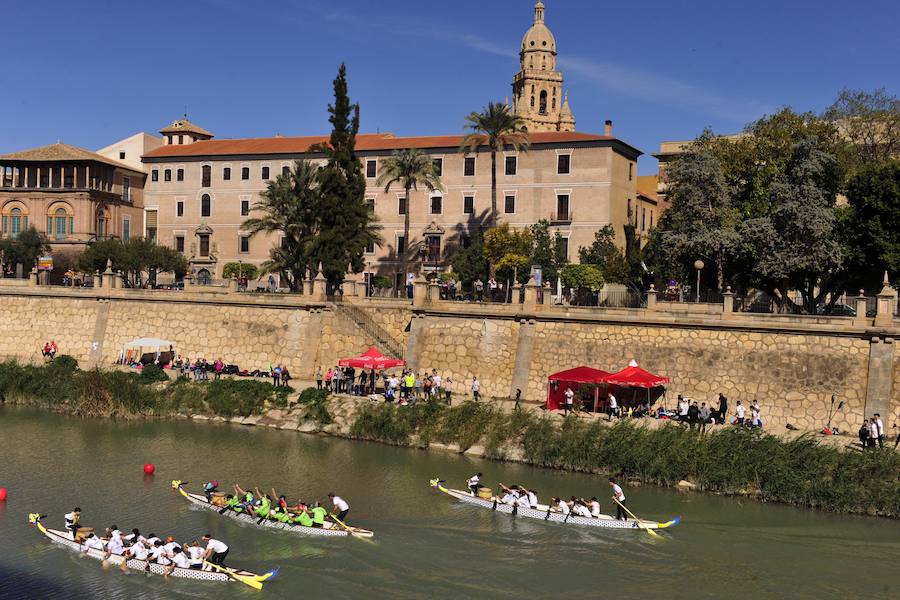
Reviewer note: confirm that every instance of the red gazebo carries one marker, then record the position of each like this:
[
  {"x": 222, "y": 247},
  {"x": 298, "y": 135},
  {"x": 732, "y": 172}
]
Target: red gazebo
[
  {"x": 636, "y": 378},
  {"x": 557, "y": 383},
  {"x": 372, "y": 359}
]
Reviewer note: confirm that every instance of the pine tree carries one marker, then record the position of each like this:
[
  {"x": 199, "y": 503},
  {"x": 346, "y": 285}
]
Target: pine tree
[{"x": 347, "y": 225}]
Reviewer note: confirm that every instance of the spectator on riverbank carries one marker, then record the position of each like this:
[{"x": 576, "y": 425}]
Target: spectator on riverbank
[
  {"x": 683, "y": 406},
  {"x": 478, "y": 287},
  {"x": 755, "y": 420},
  {"x": 319, "y": 376},
  {"x": 693, "y": 414},
  {"x": 448, "y": 391},
  {"x": 723, "y": 408},
  {"x": 864, "y": 434},
  {"x": 879, "y": 428},
  {"x": 703, "y": 415},
  {"x": 218, "y": 367},
  {"x": 362, "y": 386},
  {"x": 873, "y": 432},
  {"x": 570, "y": 399},
  {"x": 329, "y": 376},
  {"x": 285, "y": 376},
  {"x": 337, "y": 376},
  {"x": 476, "y": 388},
  {"x": 740, "y": 413},
  {"x": 612, "y": 405}
]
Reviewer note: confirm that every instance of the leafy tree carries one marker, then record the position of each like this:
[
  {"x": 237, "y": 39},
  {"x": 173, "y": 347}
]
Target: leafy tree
[
  {"x": 347, "y": 225},
  {"x": 870, "y": 122},
  {"x": 547, "y": 250},
  {"x": 238, "y": 269},
  {"x": 795, "y": 246},
  {"x": 604, "y": 253},
  {"x": 410, "y": 168},
  {"x": 23, "y": 249},
  {"x": 701, "y": 222},
  {"x": 140, "y": 260},
  {"x": 509, "y": 251},
  {"x": 468, "y": 260},
  {"x": 290, "y": 207},
  {"x": 495, "y": 127},
  {"x": 584, "y": 279},
  {"x": 873, "y": 223}
]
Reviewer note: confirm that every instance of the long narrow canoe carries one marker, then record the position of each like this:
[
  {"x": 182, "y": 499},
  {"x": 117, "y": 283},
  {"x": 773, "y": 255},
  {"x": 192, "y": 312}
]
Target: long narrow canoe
[
  {"x": 64, "y": 538},
  {"x": 330, "y": 529},
  {"x": 545, "y": 513}
]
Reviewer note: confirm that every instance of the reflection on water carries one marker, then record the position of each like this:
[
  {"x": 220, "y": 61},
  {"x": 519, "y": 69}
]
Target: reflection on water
[{"x": 426, "y": 544}]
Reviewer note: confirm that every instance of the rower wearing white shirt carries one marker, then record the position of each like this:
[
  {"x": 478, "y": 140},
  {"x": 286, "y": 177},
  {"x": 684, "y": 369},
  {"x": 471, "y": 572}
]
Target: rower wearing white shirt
[
  {"x": 522, "y": 501},
  {"x": 532, "y": 498},
  {"x": 171, "y": 545},
  {"x": 152, "y": 539},
  {"x": 115, "y": 544},
  {"x": 93, "y": 542},
  {"x": 138, "y": 550},
  {"x": 216, "y": 551},
  {"x": 341, "y": 508},
  {"x": 594, "y": 506},
  {"x": 180, "y": 560},
  {"x": 473, "y": 483},
  {"x": 561, "y": 506},
  {"x": 72, "y": 520},
  {"x": 580, "y": 509},
  {"x": 195, "y": 552},
  {"x": 134, "y": 536},
  {"x": 158, "y": 554},
  {"x": 509, "y": 497}
]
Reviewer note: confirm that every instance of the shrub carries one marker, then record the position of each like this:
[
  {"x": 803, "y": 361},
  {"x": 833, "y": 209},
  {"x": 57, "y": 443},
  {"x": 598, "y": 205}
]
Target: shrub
[
  {"x": 312, "y": 394},
  {"x": 65, "y": 363},
  {"x": 152, "y": 374}
]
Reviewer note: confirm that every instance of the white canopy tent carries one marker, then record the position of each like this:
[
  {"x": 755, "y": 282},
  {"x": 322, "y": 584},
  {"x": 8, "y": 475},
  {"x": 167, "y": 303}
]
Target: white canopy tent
[{"x": 143, "y": 345}]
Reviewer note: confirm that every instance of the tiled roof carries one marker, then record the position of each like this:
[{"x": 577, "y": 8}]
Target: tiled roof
[
  {"x": 60, "y": 152},
  {"x": 184, "y": 126},
  {"x": 364, "y": 142}
]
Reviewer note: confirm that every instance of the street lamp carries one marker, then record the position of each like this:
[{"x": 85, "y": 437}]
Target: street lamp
[{"x": 698, "y": 264}]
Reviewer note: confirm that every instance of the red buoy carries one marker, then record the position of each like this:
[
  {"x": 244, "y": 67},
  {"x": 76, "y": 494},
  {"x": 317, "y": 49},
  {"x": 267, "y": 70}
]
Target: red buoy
[
  {"x": 2, "y": 494},
  {"x": 149, "y": 468}
]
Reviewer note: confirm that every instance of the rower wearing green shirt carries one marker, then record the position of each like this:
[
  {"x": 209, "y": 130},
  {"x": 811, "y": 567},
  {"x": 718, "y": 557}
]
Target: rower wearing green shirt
[
  {"x": 318, "y": 515},
  {"x": 233, "y": 502},
  {"x": 302, "y": 518},
  {"x": 265, "y": 504}
]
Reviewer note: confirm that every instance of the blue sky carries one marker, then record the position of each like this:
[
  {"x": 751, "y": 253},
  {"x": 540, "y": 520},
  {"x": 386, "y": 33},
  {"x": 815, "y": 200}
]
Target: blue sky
[{"x": 92, "y": 72}]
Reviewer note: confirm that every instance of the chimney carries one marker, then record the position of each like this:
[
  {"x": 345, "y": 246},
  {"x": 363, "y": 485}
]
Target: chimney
[{"x": 607, "y": 128}]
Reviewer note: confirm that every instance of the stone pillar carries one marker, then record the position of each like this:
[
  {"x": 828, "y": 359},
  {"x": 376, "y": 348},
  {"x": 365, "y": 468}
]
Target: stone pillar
[
  {"x": 880, "y": 380},
  {"x": 531, "y": 295},
  {"x": 516, "y": 293},
  {"x": 860, "y": 320},
  {"x": 420, "y": 291},
  {"x": 727, "y": 303},
  {"x": 117, "y": 280},
  {"x": 887, "y": 305},
  {"x": 318, "y": 288},
  {"x": 232, "y": 285},
  {"x": 308, "y": 287},
  {"x": 434, "y": 292},
  {"x": 33, "y": 277},
  {"x": 651, "y": 298},
  {"x": 522, "y": 365},
  {"x": 188, "y": 282},
  {"x": 350, "y": 286},
  {"x": 98, "y": 280},
  {"x": 547, "y": 294},
  {"x": 415, "y": 339}
]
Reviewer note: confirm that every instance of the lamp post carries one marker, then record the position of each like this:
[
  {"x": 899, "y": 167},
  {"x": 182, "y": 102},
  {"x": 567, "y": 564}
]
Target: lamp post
[{"x": 698, "y": 264}]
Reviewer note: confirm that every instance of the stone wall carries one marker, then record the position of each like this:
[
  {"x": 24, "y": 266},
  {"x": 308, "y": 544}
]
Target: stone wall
[{"x": 792, "y": 366}]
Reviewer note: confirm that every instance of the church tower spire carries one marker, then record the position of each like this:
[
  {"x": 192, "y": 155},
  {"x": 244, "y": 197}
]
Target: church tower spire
[{"x": 537, "y": 87}]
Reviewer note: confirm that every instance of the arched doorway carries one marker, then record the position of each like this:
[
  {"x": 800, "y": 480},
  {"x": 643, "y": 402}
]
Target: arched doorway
[{"x": 204, "y": 277}]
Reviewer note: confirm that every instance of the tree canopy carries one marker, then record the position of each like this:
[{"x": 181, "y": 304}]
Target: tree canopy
[
  {"x": 140, "y": 260},
  {"x": 23, "y": 249}
]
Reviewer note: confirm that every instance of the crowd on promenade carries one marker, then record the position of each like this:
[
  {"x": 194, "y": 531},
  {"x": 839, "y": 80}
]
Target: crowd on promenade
[{"x": 403, "y": 387}]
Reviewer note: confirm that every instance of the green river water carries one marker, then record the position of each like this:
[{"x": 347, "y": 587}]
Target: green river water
[{"x": 426, "y": 545}]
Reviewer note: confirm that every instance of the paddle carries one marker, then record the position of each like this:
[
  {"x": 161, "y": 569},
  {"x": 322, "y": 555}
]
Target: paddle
[
  {"x": 638, "y": 521},
  {"x": 245, "y": 580}
]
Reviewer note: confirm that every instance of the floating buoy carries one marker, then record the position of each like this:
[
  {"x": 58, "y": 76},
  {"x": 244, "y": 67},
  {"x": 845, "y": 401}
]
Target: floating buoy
[
  {"x": 149, "y": 468},
  {"x": 2, "y": 494}
]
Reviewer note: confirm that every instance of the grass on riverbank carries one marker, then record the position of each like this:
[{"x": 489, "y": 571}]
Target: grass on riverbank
[
  {"x": 62, "y": 386},
  {"x": 727, "y": 460}
]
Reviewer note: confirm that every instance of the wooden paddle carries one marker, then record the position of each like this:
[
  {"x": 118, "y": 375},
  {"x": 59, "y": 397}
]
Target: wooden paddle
[
  {"x": 243, "y": 579},
  {"x": 638, "y": 521}
]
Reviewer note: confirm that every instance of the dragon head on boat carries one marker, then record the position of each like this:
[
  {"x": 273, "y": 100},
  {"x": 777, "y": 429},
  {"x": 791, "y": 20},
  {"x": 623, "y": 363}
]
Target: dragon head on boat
[
  {"x": 434, "y": 482},
  {"x": 34, "y": 518},
  {"x": 176, "y": 483}
]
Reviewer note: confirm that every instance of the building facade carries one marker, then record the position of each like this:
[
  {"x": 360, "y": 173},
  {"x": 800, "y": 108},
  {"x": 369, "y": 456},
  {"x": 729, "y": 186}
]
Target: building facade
[
  {"x": 198, "y": 194},
  {"x": 72, "y": 195}
]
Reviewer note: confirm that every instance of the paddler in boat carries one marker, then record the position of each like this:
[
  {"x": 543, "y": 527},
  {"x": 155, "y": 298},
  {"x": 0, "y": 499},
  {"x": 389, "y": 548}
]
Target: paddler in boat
[
  {"x": 593, "y": 505},
  {"x": 92, "y": 542},
  {"x": 180, "y": 560},
  {"x": 195, "y": 553},
  {"x": 473, "y": 483},
  {"x": 301, "y": 517},
  {"x": 579, "y": 508},
  {"x": 283, "y": 502},
  {"x": 510, "y": 495},
  {"x": 340, "y": 508},
  {"x": 137, "y": 550},
  {"x": 531, "y": 495},
  {"x": 209, "y": 488},
  {"x": 72, "y": 520},
  {"x": 246, "y": 497},
  {"x": 114, "y": 545},
  {"x": 318, "y": 515},
  {"x": 264, "y": 505},
  {"x": 619, "y": 499},
  {"x": 233, "y": 502},
  {"x": 560, "y": 506}
]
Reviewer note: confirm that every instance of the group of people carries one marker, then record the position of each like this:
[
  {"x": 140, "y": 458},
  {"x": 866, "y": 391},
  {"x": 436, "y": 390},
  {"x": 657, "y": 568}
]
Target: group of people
[
  {"x": 872, "y": 433},
  {"x": 280, "y": 375},
  {"x": 275, "y": 507},
  {"x": 521, "y": 497},
  {"x": 344, "y": 380},
  {"x": 701, "y": 415},
  {"x": 403, "y": 388},
  {"x": 49, "y": 350},
  {"x": 151, "y": 548}
]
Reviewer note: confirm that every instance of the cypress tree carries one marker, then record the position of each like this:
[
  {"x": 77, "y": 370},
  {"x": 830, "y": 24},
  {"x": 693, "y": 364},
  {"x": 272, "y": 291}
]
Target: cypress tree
[{"x": 347, "y": 225}]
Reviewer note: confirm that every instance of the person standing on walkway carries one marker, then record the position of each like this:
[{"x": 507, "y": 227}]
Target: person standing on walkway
[
  {"x": 873, "y": 432},
  {"x": 723, "y": 408},
  {"x": 754, "y": 414},
  {"x": 613, "y": 405},
  {"x": 864, "y": 435},
  {"x": 319, "y": 378},
  {"x": 448, "y": 389},
  {"x": 569, "y": 400},
  {"x": 693, "y": 414},
  {"x": 476, "y": 388},
  {"x": 879, "y": 427},
  {"x": 703, "y": 415},
  {"x": 618, "y": 498},
  {"x": 740, "y": 413}
]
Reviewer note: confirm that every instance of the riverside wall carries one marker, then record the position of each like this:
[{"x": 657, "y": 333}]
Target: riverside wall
[{"x": 792, "y": 365}]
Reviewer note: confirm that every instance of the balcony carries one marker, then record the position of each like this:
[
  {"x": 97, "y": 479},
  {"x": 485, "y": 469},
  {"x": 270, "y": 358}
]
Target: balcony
[{"x": 561, "y": 217}]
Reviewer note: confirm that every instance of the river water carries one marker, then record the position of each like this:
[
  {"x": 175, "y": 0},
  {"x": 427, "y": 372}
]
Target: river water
[{"x": 426, "y": 545}]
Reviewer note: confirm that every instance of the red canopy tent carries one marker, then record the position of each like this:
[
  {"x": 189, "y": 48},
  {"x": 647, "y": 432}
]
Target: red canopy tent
[
  {"x": 636, "y": 378},
  {"x": 372, "y": 359},
  {"x": 558, "y": 382}
]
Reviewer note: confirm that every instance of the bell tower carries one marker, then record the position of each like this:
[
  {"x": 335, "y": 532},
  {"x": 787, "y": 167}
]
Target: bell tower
[{"x": 537, "y": 87}]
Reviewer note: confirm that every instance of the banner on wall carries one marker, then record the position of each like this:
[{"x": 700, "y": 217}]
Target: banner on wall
[{"x": 45, "y": 263}]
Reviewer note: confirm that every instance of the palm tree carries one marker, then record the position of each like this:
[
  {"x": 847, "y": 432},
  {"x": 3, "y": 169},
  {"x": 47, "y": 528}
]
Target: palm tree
[
  {"x": 410, "y": 168},
  {"x": 289, "y": 208},
  {"x": 495, "y": 127}
]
